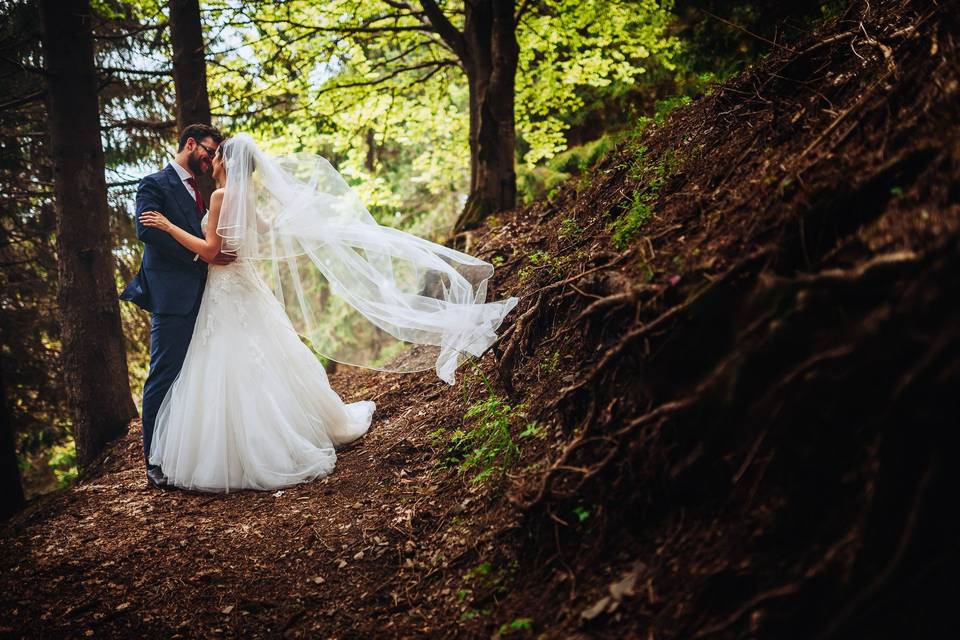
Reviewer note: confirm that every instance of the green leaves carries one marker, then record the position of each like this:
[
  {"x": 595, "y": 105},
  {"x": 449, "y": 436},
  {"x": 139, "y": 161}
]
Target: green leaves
[
  {"x": 568, "y": 46},
  {"x": 372, "y": 87}
]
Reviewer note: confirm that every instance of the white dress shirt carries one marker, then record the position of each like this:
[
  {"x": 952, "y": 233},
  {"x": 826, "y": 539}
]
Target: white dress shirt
[{"x": 184, "y": 176}]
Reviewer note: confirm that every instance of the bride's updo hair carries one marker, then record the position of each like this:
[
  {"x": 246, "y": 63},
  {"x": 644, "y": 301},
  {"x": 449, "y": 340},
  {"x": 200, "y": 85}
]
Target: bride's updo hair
[{"x": 225, "y": 153}]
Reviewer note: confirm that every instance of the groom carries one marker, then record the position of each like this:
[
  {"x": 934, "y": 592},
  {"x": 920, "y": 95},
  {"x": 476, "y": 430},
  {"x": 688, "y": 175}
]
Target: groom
[{"x": 171, "y": 278}]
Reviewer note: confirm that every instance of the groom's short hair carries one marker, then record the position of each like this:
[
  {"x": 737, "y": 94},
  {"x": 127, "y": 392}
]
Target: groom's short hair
[{"x": 198, "y": 132}]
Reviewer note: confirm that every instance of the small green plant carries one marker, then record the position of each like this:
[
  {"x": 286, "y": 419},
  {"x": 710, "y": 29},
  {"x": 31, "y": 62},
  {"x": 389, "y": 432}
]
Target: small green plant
[
  {"x": 437, "y": 437},
  {"x": 498, "y": 260},
  {"x": 625, "y": 228},
  {"x": 483, "y": 446},
  {"x": 517, "y": 624},
  {"x": 484, "y": 579},
  {"x": 551, "y": 363},
  {"x": 472, "y": 614},
  {"x": 539, "y": 260},
  {"x": 581, "y": 512},
  {"x": 569, "y": 229},
  {"x": 667, "y": 106},
  {"x": 533, "y": 430}
]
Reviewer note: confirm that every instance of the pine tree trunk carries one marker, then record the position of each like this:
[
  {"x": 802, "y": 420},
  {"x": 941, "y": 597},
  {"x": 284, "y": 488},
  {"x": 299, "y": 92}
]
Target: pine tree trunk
[
  {"x": 491, "y": 66},
  {"x": 94, "y": 360},
  {"x": 11, "y": 491},
  {"x": 190, "y": 72},
  {"x": 189, "y": 64}
]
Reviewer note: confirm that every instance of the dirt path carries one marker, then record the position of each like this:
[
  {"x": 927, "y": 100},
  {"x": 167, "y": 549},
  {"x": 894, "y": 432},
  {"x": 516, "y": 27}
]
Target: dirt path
[{"x": 339, "y": 557}]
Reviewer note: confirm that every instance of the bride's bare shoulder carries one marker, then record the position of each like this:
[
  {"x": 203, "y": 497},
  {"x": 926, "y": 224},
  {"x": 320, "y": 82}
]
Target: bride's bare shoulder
[{"x": 217, "y": 195}]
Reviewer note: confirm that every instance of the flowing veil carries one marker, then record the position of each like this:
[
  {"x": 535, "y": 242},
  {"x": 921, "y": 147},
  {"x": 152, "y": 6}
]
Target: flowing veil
[{"x": 359, "y": 292}]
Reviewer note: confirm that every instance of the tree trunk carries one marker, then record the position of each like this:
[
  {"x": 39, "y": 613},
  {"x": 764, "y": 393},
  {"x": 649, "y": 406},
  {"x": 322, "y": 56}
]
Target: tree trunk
[
  {"x": 488, "y": 52},
  {"x": 94, "y": 360},
  {"x": 490, "y": 32},
  {"x": 189, "y": 64},
  {"x": 10, "y": 488},
  {"x": 190, "y": 72}
]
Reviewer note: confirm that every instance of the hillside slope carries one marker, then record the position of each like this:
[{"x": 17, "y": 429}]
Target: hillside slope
[{"x": 731, "y": 381}]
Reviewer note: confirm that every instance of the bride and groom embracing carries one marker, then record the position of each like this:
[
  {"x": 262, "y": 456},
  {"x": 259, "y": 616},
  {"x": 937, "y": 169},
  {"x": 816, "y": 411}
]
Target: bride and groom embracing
[{"x": 235, "y": 398}]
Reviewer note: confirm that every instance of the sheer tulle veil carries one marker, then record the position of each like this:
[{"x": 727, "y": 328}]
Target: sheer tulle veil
[{"x": 361, "y": 293}]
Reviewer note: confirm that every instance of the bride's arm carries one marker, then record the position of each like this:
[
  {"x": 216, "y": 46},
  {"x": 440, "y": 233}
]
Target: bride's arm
[{"x": 207, "y": 247}]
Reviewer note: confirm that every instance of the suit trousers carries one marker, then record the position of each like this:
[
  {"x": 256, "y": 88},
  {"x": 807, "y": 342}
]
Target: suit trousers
[{"x": 169, "y": 340}]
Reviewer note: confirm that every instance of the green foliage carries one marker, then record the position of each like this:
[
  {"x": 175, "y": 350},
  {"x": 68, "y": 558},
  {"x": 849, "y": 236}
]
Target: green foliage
[
  {"x": 626, "y": 227},
  {"x": 544, "y": 180},
  {"x": 572, "y": 46},
  {"x": 550, "y": 364},
  {"x": 666, "y": 106},
  {"x": 517, "y": 624},
  {"x": 483, "y": 447},
  {"x": 533, "y": 430},
  {"x": 581, "y": 512},
  {"x": 534, "y": 184},
  {"x": 543, "y": 260},
  {"x": 63, "y": 461},
  {"x": 569, "y": 229},
  {"x": 582, "y": 157},
  {"x": 652, "y": 178},
  {"x": 370, "y": 87},
  {"x": 484, "y": 579}
]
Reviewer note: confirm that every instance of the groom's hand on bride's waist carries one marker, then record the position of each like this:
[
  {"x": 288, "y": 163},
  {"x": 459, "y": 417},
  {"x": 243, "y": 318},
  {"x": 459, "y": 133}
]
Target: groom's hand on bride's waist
[{"x": 220, "y": 259}]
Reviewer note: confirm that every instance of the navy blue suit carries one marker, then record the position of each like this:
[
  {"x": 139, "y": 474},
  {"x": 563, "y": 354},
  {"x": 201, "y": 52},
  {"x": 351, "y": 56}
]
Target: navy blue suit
[{"x": 169, "y": 285}]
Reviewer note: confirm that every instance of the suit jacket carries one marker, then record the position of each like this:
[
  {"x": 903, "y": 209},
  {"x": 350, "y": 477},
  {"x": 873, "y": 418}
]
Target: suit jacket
[{"x": 169, "y": 280}]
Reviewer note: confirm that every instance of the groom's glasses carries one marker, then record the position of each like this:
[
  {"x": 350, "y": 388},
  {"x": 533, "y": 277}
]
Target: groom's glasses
[{"x": 210, "y": 152}]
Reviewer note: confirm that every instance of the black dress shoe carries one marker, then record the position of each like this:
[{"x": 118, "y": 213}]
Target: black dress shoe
[{"x": 156, "y": 479}]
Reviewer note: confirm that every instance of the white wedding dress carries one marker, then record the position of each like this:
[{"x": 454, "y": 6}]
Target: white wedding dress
[{"x": 252, "y": 407}]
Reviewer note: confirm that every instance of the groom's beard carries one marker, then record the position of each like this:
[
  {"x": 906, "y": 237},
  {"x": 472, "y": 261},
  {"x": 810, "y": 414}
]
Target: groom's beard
[{"x": 199, "y": 166}]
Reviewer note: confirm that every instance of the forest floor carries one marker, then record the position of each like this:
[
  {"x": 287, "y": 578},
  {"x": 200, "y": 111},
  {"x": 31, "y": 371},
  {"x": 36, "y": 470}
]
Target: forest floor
[{"x": 731, "y": 384}]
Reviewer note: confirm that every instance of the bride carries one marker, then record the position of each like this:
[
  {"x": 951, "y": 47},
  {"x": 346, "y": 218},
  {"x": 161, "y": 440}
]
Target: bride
[{"x": 252, "y": 407}]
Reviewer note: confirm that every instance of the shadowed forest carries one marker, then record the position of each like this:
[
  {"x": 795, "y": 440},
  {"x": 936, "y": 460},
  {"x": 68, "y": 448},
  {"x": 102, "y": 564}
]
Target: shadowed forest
[{"x": 724, "y": 406}]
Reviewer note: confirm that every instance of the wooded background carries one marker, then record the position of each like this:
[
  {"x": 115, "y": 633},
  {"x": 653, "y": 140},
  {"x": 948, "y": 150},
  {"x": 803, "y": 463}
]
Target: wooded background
[
  {"x": 724, "y": 407},
  {"x": 438, "y": 113}
]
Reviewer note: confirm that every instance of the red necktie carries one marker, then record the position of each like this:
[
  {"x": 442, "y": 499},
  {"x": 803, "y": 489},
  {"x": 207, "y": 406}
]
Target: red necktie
[{"x": 199, "y": 199}]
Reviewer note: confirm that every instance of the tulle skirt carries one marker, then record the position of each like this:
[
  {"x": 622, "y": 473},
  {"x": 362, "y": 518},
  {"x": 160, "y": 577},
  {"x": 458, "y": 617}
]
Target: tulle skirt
[{"x": 252, "y": 407}]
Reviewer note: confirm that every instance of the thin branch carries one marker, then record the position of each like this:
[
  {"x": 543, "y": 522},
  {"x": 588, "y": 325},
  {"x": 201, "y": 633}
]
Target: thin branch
[
  {"x": 137, "y": 123},
  {"x": 22, "y": 100},
  {"x": 450, "y": 34},
  {"x": 139, "y": 72},
  {"x": 389, "y": 76}
]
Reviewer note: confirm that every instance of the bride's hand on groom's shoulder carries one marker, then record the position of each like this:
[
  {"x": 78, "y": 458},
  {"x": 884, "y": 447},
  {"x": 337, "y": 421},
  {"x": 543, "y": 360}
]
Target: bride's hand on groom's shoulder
[{"x": 156, "y": 220}]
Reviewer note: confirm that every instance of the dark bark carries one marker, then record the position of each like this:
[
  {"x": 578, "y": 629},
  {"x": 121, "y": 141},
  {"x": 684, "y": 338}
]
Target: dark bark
[
  {"x": 11, "y": 490},
  {"x": 94, "y": 360},
  {"x": 189, "y": 64},
  {"x": 488, "y": 52},
  {"x": 190, "y": 72}
]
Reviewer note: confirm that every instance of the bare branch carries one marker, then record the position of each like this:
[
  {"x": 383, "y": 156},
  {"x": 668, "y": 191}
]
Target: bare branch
[
  {"x": 450, "y": 34},
  {"x": 436, "y": 65},
  {"x": 139, "y": 72},
  {"x": 136, "y": 123}
]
